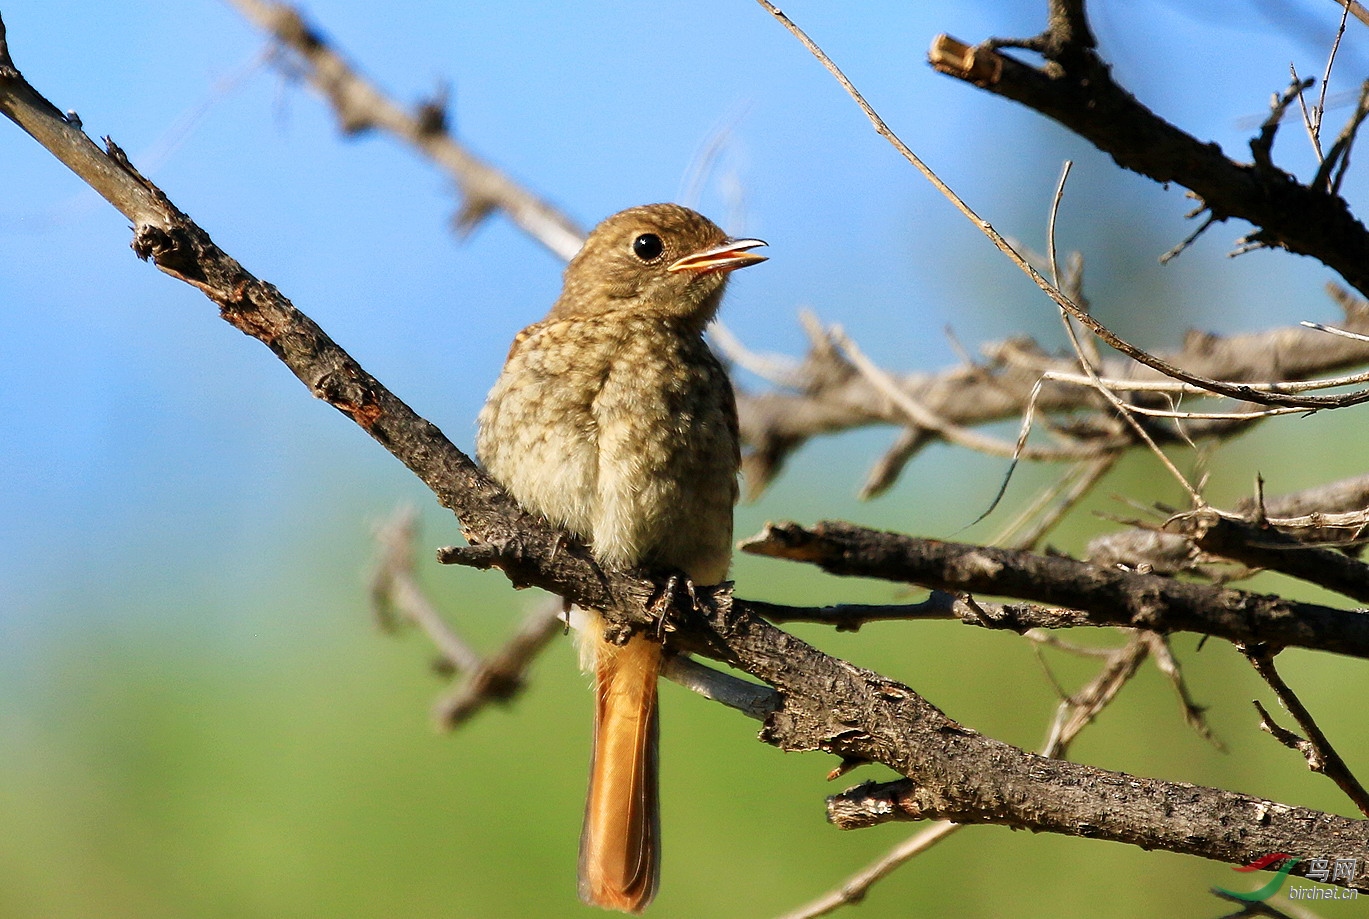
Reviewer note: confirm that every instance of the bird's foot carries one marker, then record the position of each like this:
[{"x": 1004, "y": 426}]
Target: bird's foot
[
  {"x": 558, "y": 543},
  {"x": 661, "y": 604},
  {"x": 664, "y": 603}
]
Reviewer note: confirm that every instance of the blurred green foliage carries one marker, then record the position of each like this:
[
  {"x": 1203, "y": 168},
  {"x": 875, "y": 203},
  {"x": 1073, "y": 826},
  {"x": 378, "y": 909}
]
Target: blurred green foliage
[{"x": 277, "y": 760}]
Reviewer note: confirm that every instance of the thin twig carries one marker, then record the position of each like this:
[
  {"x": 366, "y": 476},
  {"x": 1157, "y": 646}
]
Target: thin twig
[
  {"x": 1175, "y": 387},
  {"x": 1168, "y": 664},
  {"x": 854, "y": 888},
  {"x": 1090, "y": 356},
  {"x": 394, "y": 590},
  {"x": 1356, "y": 8},
  {"x": 940, "y": 604},
  {"x": 501, "y": 675},
  {"x": 1091, "y": 370},
  {"x": 1179, "y": 248},
  {"x": 923, "y": 417},
  {"x": 1262, "y": 146},
  {"x": 1080, "y": 709},
  {"x": 1320, "y": 755},
  {"x": 886, "y": 469},
  {"x": 1343, "y": 333},
  {"x": 1056, "y": 501},
  {"x": 1326, "y": 79},
  {"x": 1338, "y": 158},
  {"x": 1311, "y": 118},
  {"x": 1251, "y": 414}
]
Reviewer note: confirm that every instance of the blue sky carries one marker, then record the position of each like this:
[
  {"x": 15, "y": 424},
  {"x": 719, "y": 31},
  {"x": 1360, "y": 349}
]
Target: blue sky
[{"x": 136, "y": 416}]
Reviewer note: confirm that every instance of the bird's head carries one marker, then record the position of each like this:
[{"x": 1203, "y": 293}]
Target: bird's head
[{"x": 659, "y": 258}]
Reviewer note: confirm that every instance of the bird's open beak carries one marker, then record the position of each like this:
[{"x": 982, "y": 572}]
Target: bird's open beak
[{"x": 729, "y": 256}]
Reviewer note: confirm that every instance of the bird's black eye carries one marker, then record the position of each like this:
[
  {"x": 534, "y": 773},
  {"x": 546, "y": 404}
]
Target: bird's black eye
[{"x": 647, "y": 246}]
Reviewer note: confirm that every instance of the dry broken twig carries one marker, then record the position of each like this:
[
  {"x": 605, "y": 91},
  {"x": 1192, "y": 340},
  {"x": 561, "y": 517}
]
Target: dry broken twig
[
  {"x": 360, "y": 106},
  {"x": 1319, "y": 752},
  {"x": 501, "y": 675},
  {"x": 396, "y": 596},
  {"x": 1321, "y": 756}
]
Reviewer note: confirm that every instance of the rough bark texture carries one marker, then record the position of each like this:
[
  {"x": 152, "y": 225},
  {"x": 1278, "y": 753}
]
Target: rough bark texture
[{"x": 1097, "y": 595}]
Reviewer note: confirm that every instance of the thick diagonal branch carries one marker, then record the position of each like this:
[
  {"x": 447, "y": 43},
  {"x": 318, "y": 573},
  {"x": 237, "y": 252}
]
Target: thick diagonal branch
[{"x": 956, "y": 774}]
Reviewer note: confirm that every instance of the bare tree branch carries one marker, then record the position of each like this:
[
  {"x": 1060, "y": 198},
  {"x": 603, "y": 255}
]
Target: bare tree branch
[
  {"x": 502, "y": 675},
  {"x": 1261, "y": 545},
  {"x": 360, "y": 106},
  {"x": 1320, "y": 755},
  {"x": 1069, "y": 38},
  {"x": 396, "y": 596},
  {"x": 751, "y": 699},
  {"x": 825, "y": 394},
  {"x": 1073, "y": 715},
  {"x": 1279, "y": 533},
  {"x": 1075, "y": 87},
  {"x": 1097, "y": 596}
]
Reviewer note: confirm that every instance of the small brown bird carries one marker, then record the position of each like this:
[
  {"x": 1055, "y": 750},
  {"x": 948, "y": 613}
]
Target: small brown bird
[{"x": 613, "y": 419}]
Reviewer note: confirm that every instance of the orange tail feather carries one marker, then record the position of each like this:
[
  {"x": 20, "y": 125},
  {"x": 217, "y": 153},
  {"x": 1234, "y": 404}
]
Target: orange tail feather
[{"x": 620, "y": 846}]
